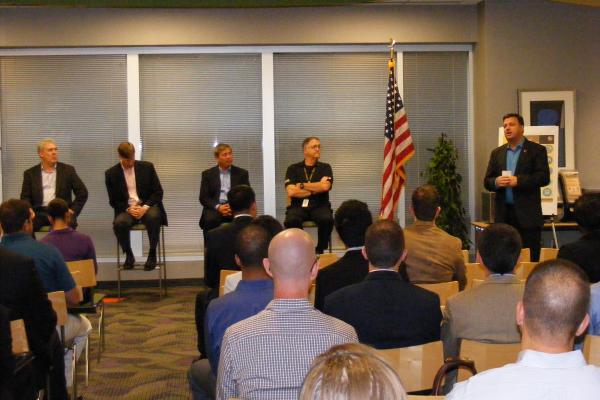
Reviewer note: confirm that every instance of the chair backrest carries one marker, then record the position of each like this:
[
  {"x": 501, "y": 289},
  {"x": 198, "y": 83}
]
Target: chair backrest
[
  {"x": 59, "y": 304},
  {"x": 19, "y": 337},
  {"x": 327, "y": 259},
  {"x": 443, "y": 289},
  {"x": 487, "y": 355},
  {"x": 547, "y": 253},
  {"x": 83, "y": 272},
  {"x": 525, "y": 255},
  {"x": 476, "y": 282},
  {"x": 222, "y": 276},
  {"x": 465, "y": 254},
  {"x": 474, "y": 271},
  {"x": 311, "y": 293},
  {"x": 591, "y": 349},
  {"x": 416, "y": 365},
  {"x": 524, "y": 269}
]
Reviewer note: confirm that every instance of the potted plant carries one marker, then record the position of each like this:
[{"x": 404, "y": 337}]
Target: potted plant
[{"x": 441, "y": 173}]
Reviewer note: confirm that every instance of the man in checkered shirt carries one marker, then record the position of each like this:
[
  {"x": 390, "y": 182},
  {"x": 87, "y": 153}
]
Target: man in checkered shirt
[{"x": 267, "y": 356}]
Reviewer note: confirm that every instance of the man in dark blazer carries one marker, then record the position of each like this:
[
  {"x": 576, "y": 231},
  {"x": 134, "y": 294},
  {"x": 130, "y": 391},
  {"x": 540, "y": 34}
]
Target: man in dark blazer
[
  {"x": 351, "y": 220},
  {"x": 51, "y": 179},
  {"x": 135, "y": 194},
  {"x": 516, "y": 171},
  {"x": 386, "y": 311},
  {"x": 22, "y": 292},
  {"x": 216, "y": 183}
]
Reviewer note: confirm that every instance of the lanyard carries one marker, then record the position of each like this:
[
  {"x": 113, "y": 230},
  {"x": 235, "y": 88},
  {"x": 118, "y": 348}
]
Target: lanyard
[{"x": 308, "y": 178}]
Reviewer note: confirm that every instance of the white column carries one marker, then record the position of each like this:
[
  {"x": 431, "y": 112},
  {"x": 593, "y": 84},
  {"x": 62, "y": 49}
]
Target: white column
[
  {"x": 268, "y": 136},
  {"x": 133, "y": 127}
]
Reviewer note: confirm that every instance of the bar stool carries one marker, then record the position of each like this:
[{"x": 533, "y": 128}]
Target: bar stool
[
  {"x": 161, "y": 261},
  {"x": 313, "y": 224}
]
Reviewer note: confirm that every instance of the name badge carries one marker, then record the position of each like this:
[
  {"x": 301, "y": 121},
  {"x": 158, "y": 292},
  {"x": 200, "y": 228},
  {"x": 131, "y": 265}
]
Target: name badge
[{"x": 305, "y": 203}]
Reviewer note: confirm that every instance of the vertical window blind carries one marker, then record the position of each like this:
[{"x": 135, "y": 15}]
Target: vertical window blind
[
  {"x": 81, "y": 103},
  {"x": 188, "y": 103}
]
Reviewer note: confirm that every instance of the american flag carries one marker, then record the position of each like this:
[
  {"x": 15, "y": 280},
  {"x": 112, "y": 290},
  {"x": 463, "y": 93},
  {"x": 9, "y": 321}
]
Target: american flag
[{"x": 398, "y": 148}]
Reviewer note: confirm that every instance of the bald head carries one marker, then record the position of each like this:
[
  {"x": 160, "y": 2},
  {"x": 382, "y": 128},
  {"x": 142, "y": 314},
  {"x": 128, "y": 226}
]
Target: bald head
[
  {"x": 291, "y": 255},
  {"x": 556, "y": 300}
]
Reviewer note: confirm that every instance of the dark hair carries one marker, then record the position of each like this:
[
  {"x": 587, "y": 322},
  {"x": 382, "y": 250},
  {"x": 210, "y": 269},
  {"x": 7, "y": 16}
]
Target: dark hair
[
  {"x": 126, "y": 150},
  {"x": 500, "y": 248},
  {"x": 240, "y": 198},
  {"x": 384, "y": 243},
  {"x": 352, "y": 219},
  {"x": 58, "y": 209},
  {"x": 221, "y": 147},
  {"x": 252, "y": 245},
  {"x": 425, "y": 201},
  {"x": 13, "y": 214},
  {"x": 514, "y": 115},
  {"x": 307, "y": 141},
  {"x": 587, "y": 211},
  {"x": 556, "y": 299},
  {"x": 271, "y": 225}
]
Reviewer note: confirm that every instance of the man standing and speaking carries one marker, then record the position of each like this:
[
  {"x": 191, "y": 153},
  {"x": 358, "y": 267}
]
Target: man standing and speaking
[
  {"x": 307, "y": 184},
  {"x": 516, "y": 172}
]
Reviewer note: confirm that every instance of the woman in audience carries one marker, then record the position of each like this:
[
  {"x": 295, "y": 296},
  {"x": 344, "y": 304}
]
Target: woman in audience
[{"x": 351, "y": 372}]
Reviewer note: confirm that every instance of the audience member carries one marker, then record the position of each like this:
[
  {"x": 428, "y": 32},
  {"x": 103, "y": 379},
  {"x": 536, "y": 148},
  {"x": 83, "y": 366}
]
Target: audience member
[
  {"x": 585, "y": 252},
  {"x": 385, "y": 310},
  {"x": 486, "y": 313},
  {"x": 351, "y": 372},
  {"x": 16, "y": 218},
  {"x": 595, "y": 310},
  {"x": 351, "y": 220},
  {"x": 273, "y": 227},
  {"x": 252, "y": 295},
  {"x": 267, "y": 356},
  {"x": 553, "y": 311},
  {"x": 22, "y": 292},
  {"x": 433, "y": 255}
]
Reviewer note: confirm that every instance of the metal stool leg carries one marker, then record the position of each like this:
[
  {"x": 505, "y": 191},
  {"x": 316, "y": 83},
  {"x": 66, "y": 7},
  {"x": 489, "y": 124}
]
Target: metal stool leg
[
  {"x": 118, "y": 271},
  {"x": 164, "y": 257}
]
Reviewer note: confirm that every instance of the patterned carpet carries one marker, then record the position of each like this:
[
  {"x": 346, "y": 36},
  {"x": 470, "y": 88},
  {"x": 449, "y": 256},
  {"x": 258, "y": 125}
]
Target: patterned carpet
[{"x": 149, "y": 346}]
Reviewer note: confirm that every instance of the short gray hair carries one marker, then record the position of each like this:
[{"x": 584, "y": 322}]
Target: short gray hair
[{"x": 44, "y": 142}]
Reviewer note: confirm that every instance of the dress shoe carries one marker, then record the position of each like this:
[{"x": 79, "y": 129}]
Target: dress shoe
[
  {"x": 150, "y": 263},
  {"x": 129, "y": 261}
]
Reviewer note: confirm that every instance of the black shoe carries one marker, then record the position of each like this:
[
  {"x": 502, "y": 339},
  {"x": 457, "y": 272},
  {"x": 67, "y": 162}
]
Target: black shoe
[
  {"x": 129, "y": 261},
  {"x": 150, "y": 263}
]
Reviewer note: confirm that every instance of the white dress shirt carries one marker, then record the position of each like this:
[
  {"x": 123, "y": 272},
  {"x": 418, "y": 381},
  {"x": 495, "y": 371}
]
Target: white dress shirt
[
  {"x": 48, "y": 185},
  {"x": 535, "y": 376},
  {"x": 131, "y": 185}
]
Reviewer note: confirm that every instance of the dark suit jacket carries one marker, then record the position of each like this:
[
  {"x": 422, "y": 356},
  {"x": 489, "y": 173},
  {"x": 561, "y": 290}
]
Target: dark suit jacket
[
  {"x": 67, "y": 181},
  {"x": 532, "y": 173},
  {"x": 585, "y": 252},
  {"x": 210, "y": 186},
  {"x": 219, "y": 249},
  {"x": 7, "y": 361},
  {"x": 351, "y": 268},
  {"x": 22, "y": 292},
  {"x": 147, "y": 184},
  {"x": 387, "y": 312}
]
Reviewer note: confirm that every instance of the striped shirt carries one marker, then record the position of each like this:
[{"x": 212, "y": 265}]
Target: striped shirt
[{"x": 267, "y": 356}]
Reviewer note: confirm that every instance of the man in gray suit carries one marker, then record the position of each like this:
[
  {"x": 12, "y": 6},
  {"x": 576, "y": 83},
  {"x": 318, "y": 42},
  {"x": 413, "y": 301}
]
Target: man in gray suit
[{"x": 486, "y": 313}]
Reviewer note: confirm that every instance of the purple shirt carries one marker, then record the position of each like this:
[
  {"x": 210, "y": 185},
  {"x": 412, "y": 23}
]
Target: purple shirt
[{"x": 73, "y": 245}]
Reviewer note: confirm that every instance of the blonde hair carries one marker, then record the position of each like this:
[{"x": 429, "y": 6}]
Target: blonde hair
[
  {"x": 42, "y": 143},
  {"x": 221, "y": 147},
  {"x": 351, "y": 371}
]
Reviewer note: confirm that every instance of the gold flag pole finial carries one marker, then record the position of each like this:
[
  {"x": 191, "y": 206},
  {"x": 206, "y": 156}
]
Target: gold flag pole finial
[{"x": 392, "y": 62}]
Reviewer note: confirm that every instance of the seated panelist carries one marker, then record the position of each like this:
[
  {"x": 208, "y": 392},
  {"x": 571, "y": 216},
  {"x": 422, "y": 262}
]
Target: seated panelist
[{"x": 52, "y": 179}]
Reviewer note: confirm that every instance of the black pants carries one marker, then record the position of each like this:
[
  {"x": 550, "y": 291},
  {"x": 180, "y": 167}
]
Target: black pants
[
  {"x": 124, "y": 221},
  {"x": 531, "y": 237},
  {"x": 321, "y": 215},
  {"x": 212, "y": 219},
  {"x": 203, "y": 299}
]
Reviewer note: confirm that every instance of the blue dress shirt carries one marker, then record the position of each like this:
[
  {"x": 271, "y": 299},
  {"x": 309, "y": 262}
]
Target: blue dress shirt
[
  {"x": 248, "y": 299},
  {"x": 512, "y": 157}
]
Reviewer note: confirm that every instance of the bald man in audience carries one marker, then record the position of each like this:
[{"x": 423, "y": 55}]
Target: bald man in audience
[
  {"x": 267, "y": 356},
  {"x": 486, "y": 313},
  {"x": 552, "y": 313},
  {"x": 433, "y": 255}
]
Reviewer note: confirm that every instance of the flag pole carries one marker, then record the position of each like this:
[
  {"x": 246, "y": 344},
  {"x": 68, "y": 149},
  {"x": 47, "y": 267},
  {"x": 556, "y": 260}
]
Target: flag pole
[{"x": 391, "y": 46}]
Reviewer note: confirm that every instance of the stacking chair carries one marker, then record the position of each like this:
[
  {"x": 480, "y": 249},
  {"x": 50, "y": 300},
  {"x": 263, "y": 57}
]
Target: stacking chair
[
  {"x": 591, "y": 349},
  {"x": 465, "y": 254},
  {"x": 474, "y": 271},
  {"x": 547, "y": 253},
  {"x": 417, "y": 366},
  {"x": 524, "y": 269},
  {"x": 525, "y": 255},
  {"x": 476, "y": 282},
  {"x": 443, "y": 289},
  {"x": 21, "y": 352},
  {"x": 326, "y": 259},
  {"x": 161, "y": 264},
  {"x": 59, "y": 304},
  {"x": 85, "y": 277},
  {"x": 222, "y": 276},
  {"x": 487, "y": 355}
]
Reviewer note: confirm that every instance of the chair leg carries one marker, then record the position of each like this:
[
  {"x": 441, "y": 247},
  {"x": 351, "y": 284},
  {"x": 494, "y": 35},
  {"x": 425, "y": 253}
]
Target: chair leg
[
  {"x": 164, "y": 257},
  {"x": 87, "y": 361},
  {"x": 118, "y": 271},
  {"x": 74, "y": 373}
]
